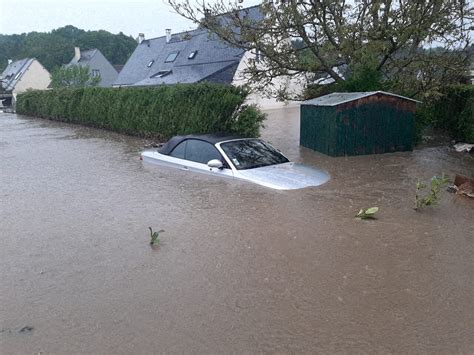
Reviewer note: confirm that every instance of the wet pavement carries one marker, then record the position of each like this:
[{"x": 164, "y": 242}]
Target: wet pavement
[{"x": 242, "y": 268}]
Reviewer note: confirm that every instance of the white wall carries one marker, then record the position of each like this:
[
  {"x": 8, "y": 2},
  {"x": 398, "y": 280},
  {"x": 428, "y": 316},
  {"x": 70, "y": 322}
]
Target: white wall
[
  {"x": 35, "y": 77},
  {"x": 294, "y": 86}
]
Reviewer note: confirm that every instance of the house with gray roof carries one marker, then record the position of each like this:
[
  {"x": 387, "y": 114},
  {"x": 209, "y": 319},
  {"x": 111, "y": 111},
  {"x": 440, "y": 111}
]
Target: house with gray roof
[
  {"x": 98, "y": 65},
  {"x": 21, "y": 75},
  {"x": 186, "y": 57},
  {"x": 196, "y": 56}
]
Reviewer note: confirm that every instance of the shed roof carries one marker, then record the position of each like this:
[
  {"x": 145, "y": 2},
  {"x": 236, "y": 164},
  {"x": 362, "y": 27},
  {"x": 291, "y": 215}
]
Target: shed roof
[{"x": 338, "y": 98}]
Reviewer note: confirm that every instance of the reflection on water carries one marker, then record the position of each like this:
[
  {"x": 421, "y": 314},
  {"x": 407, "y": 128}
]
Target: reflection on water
[{"x": 242, "y": 268}]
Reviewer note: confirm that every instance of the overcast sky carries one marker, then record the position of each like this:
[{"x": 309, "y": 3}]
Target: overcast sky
[{"x": 128, "y": 16}]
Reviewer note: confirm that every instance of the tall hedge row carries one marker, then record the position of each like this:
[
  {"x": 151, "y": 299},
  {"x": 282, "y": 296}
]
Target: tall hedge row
[
  {"x": 159, "y": 112},
  {"x": 453, "y": 111}
]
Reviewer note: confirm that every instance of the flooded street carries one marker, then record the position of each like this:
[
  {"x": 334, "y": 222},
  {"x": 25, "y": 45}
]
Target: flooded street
[{"x": 242, "y": 268}]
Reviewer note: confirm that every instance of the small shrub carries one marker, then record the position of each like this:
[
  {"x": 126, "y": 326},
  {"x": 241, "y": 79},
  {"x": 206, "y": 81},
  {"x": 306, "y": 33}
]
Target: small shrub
[
  {"x": 155, "y": 236},
  {"x": 421, "y": 120},
  {"x": 432, "y": 197}
]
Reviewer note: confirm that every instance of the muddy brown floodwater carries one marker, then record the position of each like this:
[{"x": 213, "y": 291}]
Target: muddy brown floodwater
[{"x": 242, "y": 268}]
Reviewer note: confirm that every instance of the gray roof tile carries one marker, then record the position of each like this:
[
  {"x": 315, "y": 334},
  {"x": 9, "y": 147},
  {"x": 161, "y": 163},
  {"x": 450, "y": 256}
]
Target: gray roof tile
[
  {"x": 13, "y": 73},
  {"x": 213, "y": 56},
  {"x": 86, "y": 57}
]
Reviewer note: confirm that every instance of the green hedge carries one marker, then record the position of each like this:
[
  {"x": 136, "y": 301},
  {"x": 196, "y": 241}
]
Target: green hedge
[
  {"x": 453, "y": 111},
  {"x": 158, "y": 112}
]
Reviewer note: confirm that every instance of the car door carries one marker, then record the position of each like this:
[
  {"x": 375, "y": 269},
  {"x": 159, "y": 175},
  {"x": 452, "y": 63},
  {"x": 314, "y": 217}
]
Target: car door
[{"x": 198, "y": 153}]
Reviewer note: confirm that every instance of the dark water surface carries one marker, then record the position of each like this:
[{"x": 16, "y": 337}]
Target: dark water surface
[{"x": 242, "y": 268}]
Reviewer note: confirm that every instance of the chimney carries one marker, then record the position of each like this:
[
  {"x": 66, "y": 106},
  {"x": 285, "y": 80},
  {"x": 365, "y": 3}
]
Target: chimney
[
  {"x": 10, "y": 61},
  {"x": 168, "y": 35},
  {"x": 141, "y": 37},
  {"x": 77, "y": 53}
]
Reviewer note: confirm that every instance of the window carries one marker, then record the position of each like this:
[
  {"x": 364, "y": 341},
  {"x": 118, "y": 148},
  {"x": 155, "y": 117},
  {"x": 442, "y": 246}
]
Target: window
[
  {"x": 95, "y": 72},
  {"x": 150, "y": 63},
  {"x": 171, "y": 57},
  {"x": 201, "y": 152},
  {"x": 192, "y": 55},
  {"x": 252, "y": 153},
  {"x": 258, "y": 55},
  {"x": 17, "y": 76},
  {"x": 179, "y": 150},
  {"x": 196, "y": 150},
  {"x": 161, "y": 74}
]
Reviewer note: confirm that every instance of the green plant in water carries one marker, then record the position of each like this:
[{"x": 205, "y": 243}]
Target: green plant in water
[
  {"x": 155, "y": 236},
  {"x": 369, "y": 213},
  {"x": 437, "y": 182}
]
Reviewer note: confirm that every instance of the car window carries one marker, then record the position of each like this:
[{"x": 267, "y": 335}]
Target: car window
[
  {"x": 179, "y": 150},
  {"x": 252, "y": 153},
  {"x": 201, "y": 152}
]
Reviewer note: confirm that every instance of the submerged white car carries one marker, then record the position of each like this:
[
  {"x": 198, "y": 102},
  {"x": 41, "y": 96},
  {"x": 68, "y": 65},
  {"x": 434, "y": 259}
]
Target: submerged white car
[{"x": 250, "y": 159}]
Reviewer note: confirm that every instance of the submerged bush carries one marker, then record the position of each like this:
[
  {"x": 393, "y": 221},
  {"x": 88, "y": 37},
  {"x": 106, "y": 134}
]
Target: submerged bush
[
  {"x": 159, "y": 112},
  {"x": 453, "y": 111},
  {"x": 432, "y": 197}
]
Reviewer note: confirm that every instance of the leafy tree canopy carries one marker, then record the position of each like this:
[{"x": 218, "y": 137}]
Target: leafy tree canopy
[
  {"x": 358, "y": 44},
  {"x": 73, "y": 76},
  {"x": 56, "y": 48}
]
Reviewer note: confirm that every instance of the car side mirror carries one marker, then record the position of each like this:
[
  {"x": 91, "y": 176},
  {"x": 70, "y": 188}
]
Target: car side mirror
[{"x": 215, "y": 163}]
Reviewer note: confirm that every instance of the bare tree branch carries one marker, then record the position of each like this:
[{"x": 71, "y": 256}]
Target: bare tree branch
[{"x": 336, "y": 38}]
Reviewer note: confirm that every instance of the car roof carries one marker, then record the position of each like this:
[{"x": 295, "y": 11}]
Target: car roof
[{"x": 209, "y": 138}]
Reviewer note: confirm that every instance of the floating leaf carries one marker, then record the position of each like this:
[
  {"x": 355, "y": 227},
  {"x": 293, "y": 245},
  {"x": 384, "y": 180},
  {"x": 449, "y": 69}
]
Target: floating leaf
[
  {"x": 368, "y": 213},
  {"x": 371, "y": 210}
]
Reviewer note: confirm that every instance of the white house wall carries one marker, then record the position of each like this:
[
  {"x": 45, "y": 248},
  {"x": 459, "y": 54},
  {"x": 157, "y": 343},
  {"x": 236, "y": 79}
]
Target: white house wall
[
  {"x": 295, "y": 86},
  {"x": 35, "y": 77}
]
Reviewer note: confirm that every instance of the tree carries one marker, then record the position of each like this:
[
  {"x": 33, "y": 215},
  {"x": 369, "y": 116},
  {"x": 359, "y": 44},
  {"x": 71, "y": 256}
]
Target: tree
[
  {"x": 57, "y": 47},
  {"x": 73, "y": 76},
  {"x": 340, "y": 40}
]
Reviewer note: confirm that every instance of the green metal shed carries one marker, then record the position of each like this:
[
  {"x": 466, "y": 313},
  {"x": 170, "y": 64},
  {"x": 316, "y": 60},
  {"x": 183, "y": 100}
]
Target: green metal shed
[{"x": 357, "y": 123}]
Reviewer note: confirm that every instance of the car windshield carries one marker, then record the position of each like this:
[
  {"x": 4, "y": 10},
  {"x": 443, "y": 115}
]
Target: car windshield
[{"x": 252, "y": 153}]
